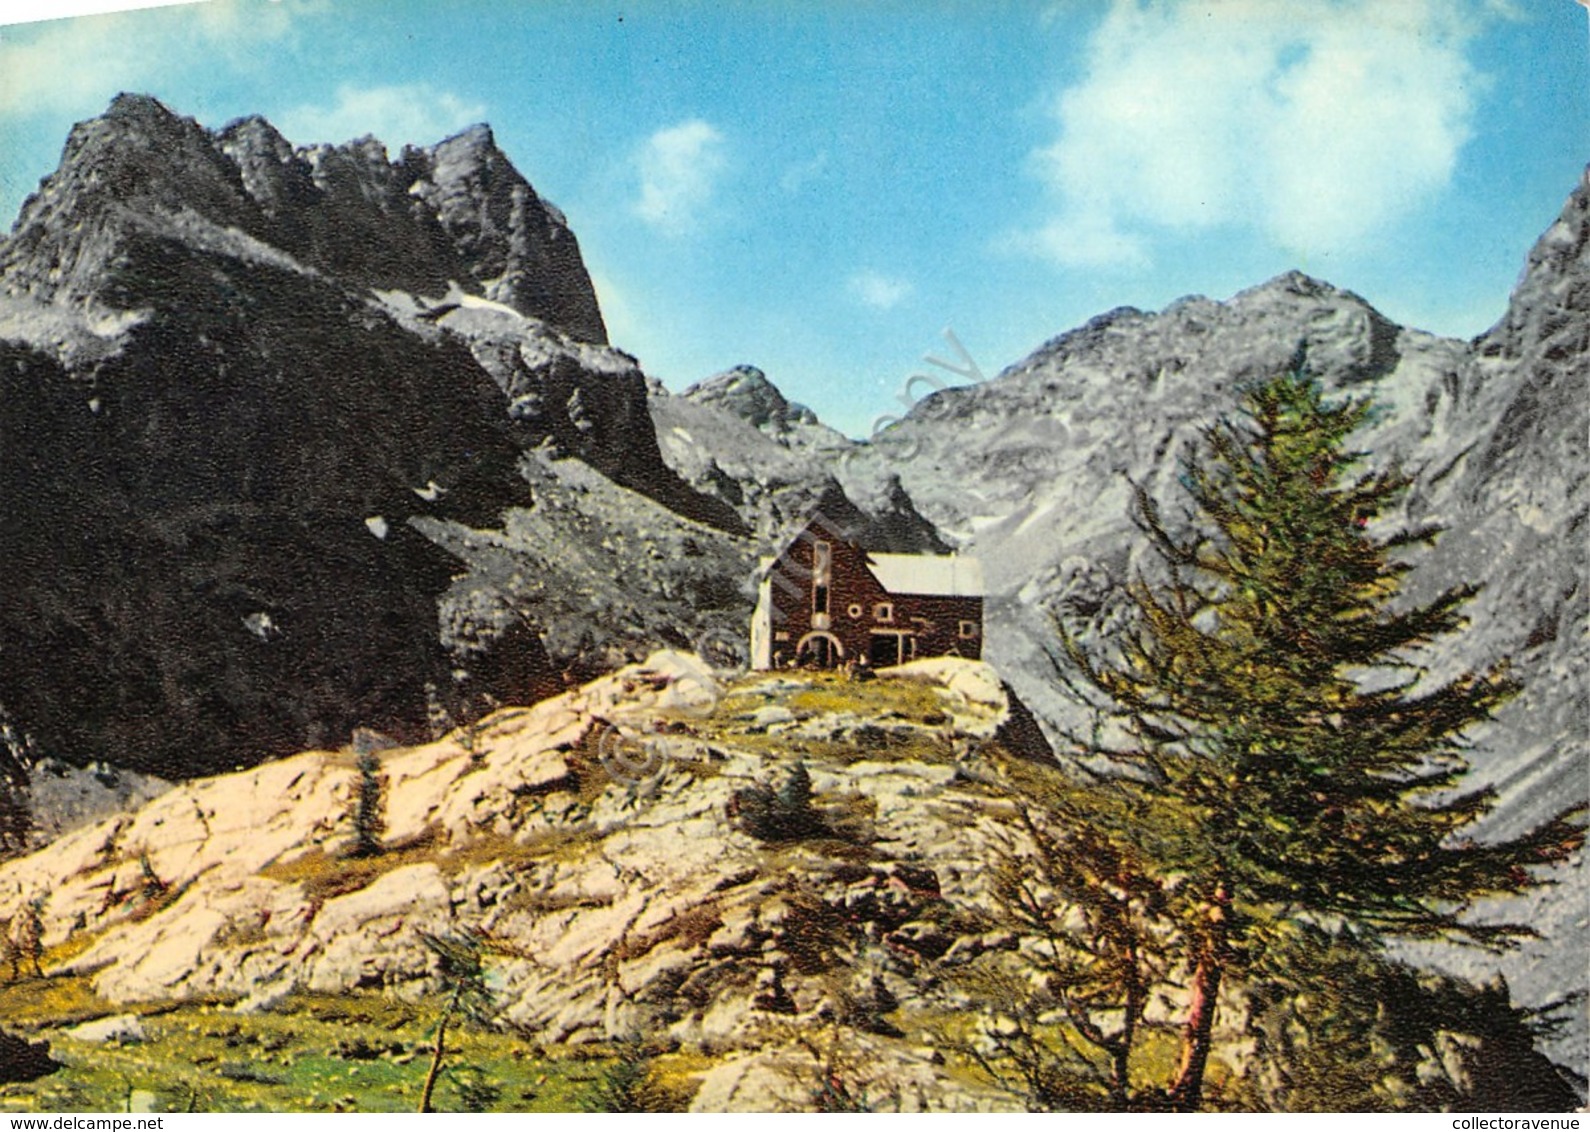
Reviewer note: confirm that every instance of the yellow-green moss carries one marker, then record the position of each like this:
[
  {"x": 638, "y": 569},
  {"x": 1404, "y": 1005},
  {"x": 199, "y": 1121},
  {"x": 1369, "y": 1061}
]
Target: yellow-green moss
[
  {"x": 53, "y": 1000},
  {"x": 328, "y": 875}
]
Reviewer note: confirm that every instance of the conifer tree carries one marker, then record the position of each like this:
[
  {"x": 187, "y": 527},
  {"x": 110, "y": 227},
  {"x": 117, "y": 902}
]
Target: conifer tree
[
  {"x": 30, "y": 935},
  {"x": 369, "y": 823},
  {"x": 1273, "y": 690},
  {"x": 461, "y": 971},
  {"x": 795, "y": 797}
]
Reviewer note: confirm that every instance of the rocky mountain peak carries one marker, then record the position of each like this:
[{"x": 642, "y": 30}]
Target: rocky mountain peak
[
  {"x": 253, "y": 137},
  {"x": 265, "y": 162},
  {"x": 746, "y": 393},
  {"x": 121, "y": 174},
  {"x": 239, "y": 379},
  {"x": 1193, "y": 347},
  {"x": 131, "y": 106},
  {"x": 456, "y": 212},
  {"x": 138, "y": 147},
  {"x": 519, "y": 248},
  {"x": 1293, "y": 282},
  {"x": 476, "y": 142}
]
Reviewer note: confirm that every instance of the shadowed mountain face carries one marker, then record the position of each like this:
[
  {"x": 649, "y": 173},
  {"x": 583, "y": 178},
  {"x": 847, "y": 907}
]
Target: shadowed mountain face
[
  {"x": 232, "y": 377},
  {"x": 192, "y": 521},
  {"x": 734, "y": 437}
]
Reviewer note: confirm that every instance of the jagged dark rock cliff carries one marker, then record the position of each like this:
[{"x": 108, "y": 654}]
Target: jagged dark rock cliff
[
  {"x": 457, "y": 211},
  {"x": 234, "y": 375}
]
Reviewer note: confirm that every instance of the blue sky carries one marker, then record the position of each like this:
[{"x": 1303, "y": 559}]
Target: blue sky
[{"x": 822, "y": 188}]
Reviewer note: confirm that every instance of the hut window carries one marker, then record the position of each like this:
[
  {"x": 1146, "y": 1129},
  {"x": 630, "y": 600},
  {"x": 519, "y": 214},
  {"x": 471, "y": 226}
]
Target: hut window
[
  {"x": 822, "y": 562},
  {"x": 883, "y": 611}
]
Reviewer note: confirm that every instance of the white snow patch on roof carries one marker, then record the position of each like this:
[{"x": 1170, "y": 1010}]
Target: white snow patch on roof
[{"x": 940, "y": 575}]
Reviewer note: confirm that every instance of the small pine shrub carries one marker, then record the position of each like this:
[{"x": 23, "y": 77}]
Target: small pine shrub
[
  {"x": 785, "y": 814},
  {"x": 369, "y": 822},
  {"x": 17, "y": 758}
]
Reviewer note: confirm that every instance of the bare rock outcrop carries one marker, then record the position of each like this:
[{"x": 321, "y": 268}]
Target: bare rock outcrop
[{"x": 610, "y": 907}]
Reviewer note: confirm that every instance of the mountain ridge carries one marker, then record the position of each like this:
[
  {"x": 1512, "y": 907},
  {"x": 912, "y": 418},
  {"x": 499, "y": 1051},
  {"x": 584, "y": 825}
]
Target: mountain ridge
[{"x": 458, "y": 210}]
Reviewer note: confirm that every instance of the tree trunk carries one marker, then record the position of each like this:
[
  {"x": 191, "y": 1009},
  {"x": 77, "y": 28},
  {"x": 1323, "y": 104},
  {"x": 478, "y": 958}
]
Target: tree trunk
[
  {"x": 1187, "y": 1089},
  {"x": 436, "y": 1063},
  {"x": 1121, "y": 1073}
]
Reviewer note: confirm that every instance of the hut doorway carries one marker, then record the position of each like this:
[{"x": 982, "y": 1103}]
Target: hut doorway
[{"x": 820, "y": 649}]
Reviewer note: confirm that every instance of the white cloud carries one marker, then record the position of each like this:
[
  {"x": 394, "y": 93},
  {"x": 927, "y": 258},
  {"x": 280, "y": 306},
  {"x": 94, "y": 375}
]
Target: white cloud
[
  {"x": 41, "y": 74},
  {"x": 416, "y": 112},
  {"x": 1318, "y": 124},
  {"x": 74, "y": 66},
  {"x": 879, "y": 291},
  {"x": 25, "y": 11},
  {"x": 679, "y": 169},
  {"x": 1511, "y": 9}
]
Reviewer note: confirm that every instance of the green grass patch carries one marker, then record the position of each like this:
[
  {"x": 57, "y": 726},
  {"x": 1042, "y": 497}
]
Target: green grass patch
[
  {"x": 872, "y": 745},
  {"x": 329, "y": 875},
  {"x": 317, "y": 1053},
  {"x": 557, "y": 842},
  {"x": 71, "y": 947},
  {"x": 678, "y": 1075}
]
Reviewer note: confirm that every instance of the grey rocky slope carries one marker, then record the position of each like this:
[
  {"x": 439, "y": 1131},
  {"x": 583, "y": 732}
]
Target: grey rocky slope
[
  {"x": 745, "y": 393},
  {"x": 734, "y": 437},
  {"x": 1033, "y": 471}
]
